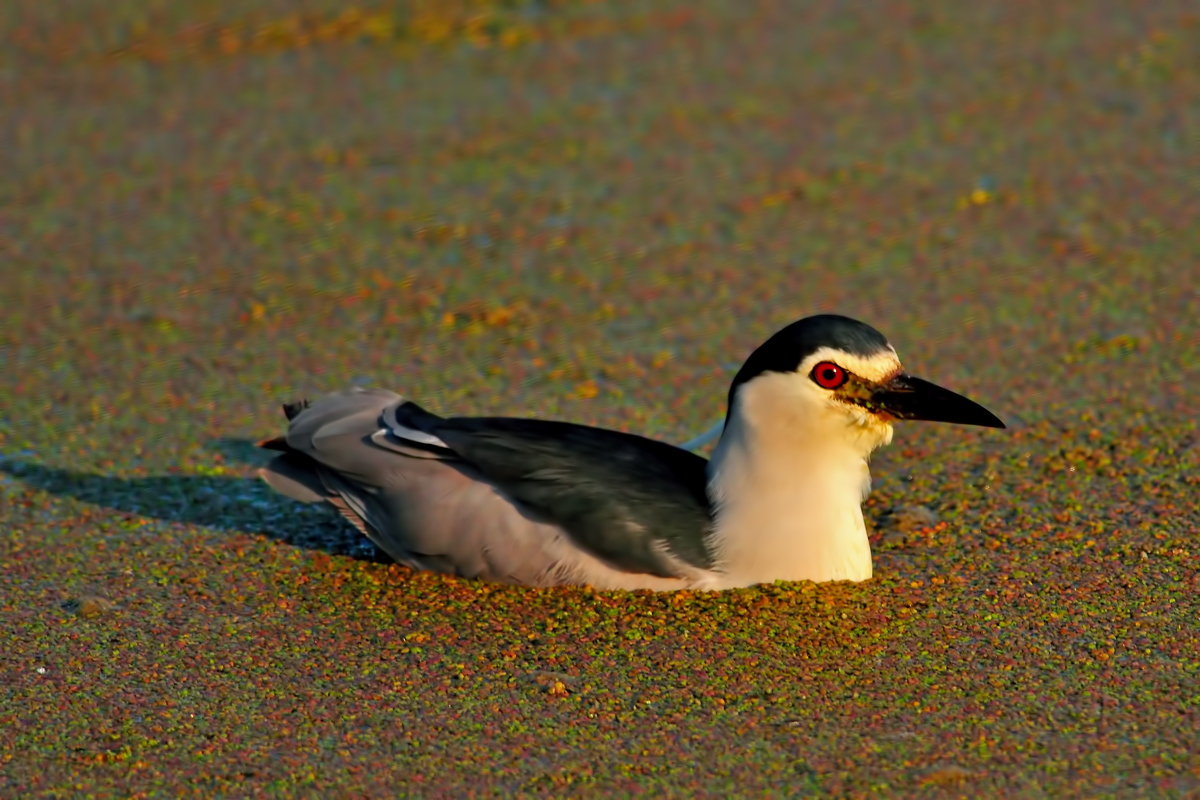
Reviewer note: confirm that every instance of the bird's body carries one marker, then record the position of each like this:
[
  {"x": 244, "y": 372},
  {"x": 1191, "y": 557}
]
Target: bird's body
[{"x": 547, "y": 503}]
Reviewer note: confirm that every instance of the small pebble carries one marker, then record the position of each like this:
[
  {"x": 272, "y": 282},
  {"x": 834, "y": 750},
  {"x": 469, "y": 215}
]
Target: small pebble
[
  {"x": 905, "y": 520},
  {"x": 911, "y": 518},
  {"x": 947, "y": 776},
  {"x": 94, "y": 606}
]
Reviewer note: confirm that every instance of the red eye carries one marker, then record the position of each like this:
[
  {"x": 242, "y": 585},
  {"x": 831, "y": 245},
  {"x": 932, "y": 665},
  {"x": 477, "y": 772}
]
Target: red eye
[{"x": 828, "y": 375}]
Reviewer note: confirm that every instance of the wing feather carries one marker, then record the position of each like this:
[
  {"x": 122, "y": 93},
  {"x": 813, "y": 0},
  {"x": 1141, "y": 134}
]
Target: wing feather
[
  {"x": 528, "y": 501},
  {"x": 635, "y": 502}
]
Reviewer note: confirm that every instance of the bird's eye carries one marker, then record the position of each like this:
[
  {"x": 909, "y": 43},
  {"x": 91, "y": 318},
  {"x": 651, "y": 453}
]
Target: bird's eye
[{"x": 828, "y": 375}]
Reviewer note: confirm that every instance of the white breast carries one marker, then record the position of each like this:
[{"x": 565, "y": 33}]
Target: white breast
[{"x": 788, "y": 479}]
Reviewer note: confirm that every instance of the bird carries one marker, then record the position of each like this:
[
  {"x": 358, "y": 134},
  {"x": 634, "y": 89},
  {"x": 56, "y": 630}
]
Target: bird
[{"x": 550, "y": 503}]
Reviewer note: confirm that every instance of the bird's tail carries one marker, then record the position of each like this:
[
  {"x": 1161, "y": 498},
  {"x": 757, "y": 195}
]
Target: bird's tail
[{"x": 300, "y": 471}]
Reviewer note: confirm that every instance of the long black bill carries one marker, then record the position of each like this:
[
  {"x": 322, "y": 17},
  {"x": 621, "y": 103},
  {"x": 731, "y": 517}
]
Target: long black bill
[{"x": 906, "y": 397}]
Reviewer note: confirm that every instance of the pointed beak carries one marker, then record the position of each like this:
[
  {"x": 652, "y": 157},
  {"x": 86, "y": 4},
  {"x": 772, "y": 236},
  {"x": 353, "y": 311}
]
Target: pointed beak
[{"x": 906, "y": 397}]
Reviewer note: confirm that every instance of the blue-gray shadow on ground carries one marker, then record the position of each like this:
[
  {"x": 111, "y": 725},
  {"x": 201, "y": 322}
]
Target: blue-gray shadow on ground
[
  {"x": 225, "y": 503},
  {"x": 240, "y": 451}
]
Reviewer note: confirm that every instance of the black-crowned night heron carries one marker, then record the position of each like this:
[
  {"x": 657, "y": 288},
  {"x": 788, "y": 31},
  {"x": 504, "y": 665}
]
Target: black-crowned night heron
[{"x": 547, "y": 503}]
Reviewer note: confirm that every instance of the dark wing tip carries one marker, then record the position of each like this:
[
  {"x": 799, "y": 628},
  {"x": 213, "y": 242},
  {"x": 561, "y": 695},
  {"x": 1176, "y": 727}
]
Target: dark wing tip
[
  {"x": 292, "y": 410},
  {"x": 412, "y": 415},
  {"x": 278, "y": 443}
]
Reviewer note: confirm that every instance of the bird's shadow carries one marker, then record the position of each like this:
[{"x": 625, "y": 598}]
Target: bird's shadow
[{"x": 228, "y": 503}]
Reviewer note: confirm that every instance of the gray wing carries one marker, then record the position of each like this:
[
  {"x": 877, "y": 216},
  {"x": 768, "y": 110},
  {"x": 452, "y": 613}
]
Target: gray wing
[
  {"x": 640, "y": 504},
  {"x": 427, "y": 512},
  {"x": 429, "y": 504}
]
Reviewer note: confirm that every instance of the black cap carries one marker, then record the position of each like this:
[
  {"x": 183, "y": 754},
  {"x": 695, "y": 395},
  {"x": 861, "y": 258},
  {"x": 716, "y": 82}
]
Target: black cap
[{"x": 784, "y": 351}]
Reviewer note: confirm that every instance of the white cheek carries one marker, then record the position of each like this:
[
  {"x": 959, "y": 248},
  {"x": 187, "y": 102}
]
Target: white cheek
[{"x": 872, "y": 431}]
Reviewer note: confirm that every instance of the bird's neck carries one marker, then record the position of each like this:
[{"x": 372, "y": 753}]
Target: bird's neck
[{"x": 787, "y": 489}]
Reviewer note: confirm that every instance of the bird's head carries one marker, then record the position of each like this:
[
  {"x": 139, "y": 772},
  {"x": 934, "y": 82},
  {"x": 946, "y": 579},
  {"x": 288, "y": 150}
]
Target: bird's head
[{"x": 835, "y": 374}]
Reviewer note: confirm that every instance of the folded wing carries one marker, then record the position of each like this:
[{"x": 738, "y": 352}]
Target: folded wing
[{"x": 514, "y": 500}]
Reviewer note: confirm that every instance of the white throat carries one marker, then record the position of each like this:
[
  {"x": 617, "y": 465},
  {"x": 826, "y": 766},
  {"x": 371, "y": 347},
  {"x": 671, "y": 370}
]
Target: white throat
[{"x": 787, "y": 481}]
